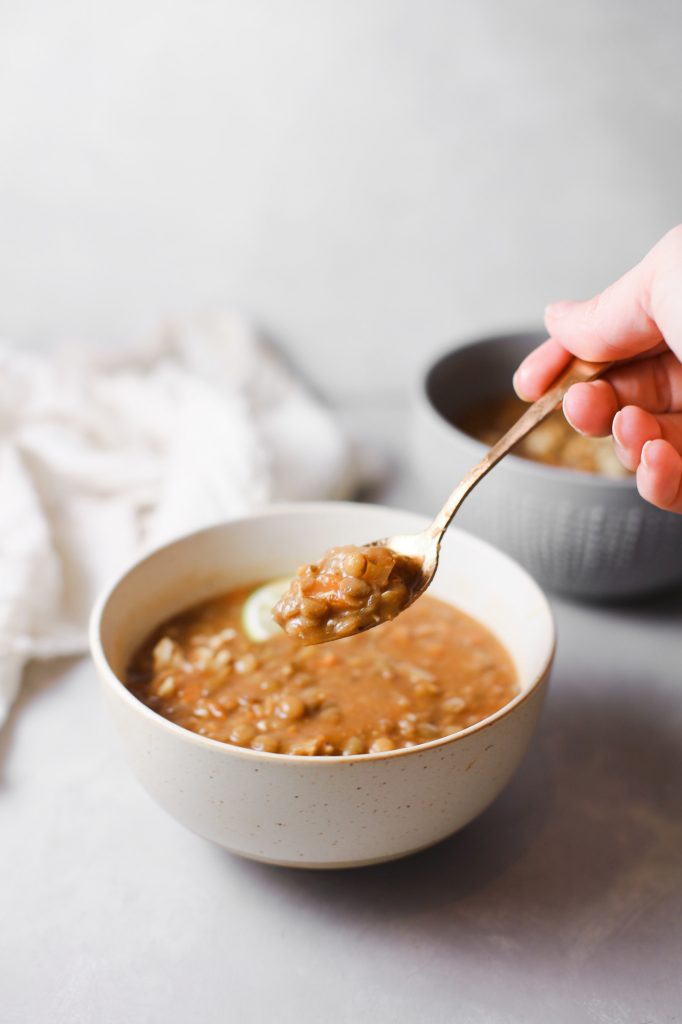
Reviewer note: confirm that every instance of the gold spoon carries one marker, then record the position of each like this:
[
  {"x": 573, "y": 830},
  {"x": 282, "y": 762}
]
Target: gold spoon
[
  {"x": 425, "y": 546},
  {"x": 414, "y": 555}
]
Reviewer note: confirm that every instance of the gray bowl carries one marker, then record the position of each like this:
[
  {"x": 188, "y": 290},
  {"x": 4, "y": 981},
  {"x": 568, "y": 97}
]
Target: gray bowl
[{"x": 578, "y": 533}]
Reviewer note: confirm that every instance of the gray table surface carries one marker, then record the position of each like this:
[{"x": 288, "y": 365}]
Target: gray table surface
[{"x": 562, "y": 903}]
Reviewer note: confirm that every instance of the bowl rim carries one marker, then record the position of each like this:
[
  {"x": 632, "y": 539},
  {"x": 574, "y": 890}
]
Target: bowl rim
[
  {"x": 575, "y": 477},
  {"x": 221, "y": 748}
]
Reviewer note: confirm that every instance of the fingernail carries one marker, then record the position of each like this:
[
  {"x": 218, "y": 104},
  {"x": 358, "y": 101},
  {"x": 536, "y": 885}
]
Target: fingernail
[
  {"x": 567, "y": 417},
  {"x": 646, "y": 453},
  {"x": 615, "y": 429},
  {"x": 517, "y": 385},
  {"x": 556, "y": 310}
]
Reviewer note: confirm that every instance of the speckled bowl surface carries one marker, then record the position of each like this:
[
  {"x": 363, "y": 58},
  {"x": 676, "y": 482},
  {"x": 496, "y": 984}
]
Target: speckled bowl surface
[
  {"x": 320, "y": 812},
  {"x": 578, "y": 533}
]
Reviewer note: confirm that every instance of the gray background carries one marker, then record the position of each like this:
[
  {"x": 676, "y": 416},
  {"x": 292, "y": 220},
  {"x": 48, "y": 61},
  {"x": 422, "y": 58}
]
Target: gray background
[{"x": 368, "y": 177}]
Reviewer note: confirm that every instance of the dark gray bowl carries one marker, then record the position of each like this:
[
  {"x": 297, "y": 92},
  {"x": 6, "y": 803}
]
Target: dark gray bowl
[{"x": 578, "y": 533}]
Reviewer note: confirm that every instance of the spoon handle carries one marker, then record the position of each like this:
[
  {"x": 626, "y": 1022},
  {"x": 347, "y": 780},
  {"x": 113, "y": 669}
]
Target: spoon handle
[{"x": 577, "y": 371}]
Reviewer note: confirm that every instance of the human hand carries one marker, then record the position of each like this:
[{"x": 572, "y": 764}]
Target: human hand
[{"x": 638, "y": 318}]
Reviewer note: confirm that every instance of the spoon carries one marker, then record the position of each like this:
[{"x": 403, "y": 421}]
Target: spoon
[
  {"x": 424, "y": 547},
  {"x": 321, "y": 602}
]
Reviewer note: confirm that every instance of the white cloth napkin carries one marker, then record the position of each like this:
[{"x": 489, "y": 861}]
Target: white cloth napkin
[{"x": 103, "y": 455}]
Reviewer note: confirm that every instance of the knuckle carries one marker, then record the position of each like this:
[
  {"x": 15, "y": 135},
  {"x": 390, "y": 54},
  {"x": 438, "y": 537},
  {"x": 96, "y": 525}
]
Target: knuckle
[{"x": 597, "y": 326}]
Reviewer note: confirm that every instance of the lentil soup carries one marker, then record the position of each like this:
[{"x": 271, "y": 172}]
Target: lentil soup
[
  {"x": 553, "y": 442},
  {"x": 349, "y": 590},
  {"x": 432, "y": 672}
]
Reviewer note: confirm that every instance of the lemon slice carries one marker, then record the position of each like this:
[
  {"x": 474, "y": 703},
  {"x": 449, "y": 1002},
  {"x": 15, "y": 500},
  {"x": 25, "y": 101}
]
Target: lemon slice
[{"x": 257, "y": 620}]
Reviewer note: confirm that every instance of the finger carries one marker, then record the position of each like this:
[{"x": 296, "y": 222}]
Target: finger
[
  {"x": 653, "y": 384},
  {"x": 633, "y": 427},
  {"x": 590, "y": 408},
  {"x": 632, "y": 315},
  {"x": 659, "y": 475},
  {"x": 543, "y": 365},
  {"x": 539, "y": 369}
]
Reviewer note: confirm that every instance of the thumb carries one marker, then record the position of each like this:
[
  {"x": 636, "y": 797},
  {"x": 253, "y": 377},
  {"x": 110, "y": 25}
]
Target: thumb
[{"x": 631, "y": 316}]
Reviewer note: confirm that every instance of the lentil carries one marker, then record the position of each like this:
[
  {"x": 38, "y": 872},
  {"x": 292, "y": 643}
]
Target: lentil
[
  {"x": 375, "y": 692},
  {"x": 351, "y": 589}
]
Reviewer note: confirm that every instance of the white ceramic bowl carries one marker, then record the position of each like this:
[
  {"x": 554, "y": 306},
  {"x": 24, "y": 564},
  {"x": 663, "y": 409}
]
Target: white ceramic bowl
[
  {"x": 577, "y": 533},
  {"x": 320, "y": 812}
]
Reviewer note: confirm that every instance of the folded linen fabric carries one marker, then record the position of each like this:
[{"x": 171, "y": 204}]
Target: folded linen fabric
[{"x": 103, "y": 454}]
